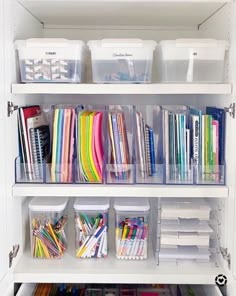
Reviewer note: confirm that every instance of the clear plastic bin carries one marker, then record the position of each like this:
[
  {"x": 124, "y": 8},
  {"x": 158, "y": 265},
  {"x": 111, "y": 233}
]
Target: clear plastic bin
[
  {"x": 149, "y": 145},
  {"x": 120, "y": 146},
  {"x": 91, "y": 227},
  {"x": 192, "y": 60},
  {"x": 132, "y": 221},
  {"x": 48, "y": 222},
  {"x": 51, "y": 60},
  {"x": 122, "y": 60}
]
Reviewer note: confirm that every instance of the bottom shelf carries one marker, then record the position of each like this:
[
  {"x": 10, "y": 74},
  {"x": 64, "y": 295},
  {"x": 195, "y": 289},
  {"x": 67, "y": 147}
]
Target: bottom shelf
[{"x": 111, "y": 270}]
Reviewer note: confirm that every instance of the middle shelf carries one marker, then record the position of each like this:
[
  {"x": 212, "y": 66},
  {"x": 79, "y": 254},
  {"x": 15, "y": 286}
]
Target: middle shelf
[
  {"x": 154, "y": 191},
  {"x": 119, "y": 89}
]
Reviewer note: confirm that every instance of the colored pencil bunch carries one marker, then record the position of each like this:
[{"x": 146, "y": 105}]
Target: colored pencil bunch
[
  {"x": 91, "y": 239},
  {"x": 90, "y": 146},
  {"x": 131, "y": 239},
  {"x": 120, "y": 159},
  {"x": 48, "y": 239}
]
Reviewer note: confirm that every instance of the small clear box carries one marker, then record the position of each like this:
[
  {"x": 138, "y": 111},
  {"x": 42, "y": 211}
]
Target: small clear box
[
  {"x": 122, "y": 60},
  {"x": 132, "y": 226},
  {"x": 51, "y": 60},
  {"x": 91, "y": 227},
  {"x": 48, "y": 221},
  {"x": 192, "y": 60}
]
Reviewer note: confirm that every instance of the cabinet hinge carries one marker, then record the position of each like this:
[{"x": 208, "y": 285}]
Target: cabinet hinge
[
  {"x": 230, "y": 110},
  {"x": 11, "y": 108},
  {"x": 226, "y": 256},
  {"x": 13, "y": 254}
]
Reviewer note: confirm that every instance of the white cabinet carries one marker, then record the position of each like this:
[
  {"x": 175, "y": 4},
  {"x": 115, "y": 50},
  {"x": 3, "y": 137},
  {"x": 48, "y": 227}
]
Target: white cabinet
[{"x": 157, "y": 19}]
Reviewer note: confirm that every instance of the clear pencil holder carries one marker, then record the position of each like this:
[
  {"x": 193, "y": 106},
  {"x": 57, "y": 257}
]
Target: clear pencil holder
[
  {"x": 120, "y": 145},
  {"x": 132, "y": 222},
  {"x": 48, "y": 227},
  {"x": 91, "y": 227},
  {"x": 148, "y": 145}
]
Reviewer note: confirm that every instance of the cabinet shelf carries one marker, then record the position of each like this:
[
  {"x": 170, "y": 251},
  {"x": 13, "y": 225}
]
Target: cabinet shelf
[
  {"x": 110, "y": 270},
  {"x": 146, "y": 89},
  {"x": 123, "y": 12},
  {"x": 121, "y": 190}
]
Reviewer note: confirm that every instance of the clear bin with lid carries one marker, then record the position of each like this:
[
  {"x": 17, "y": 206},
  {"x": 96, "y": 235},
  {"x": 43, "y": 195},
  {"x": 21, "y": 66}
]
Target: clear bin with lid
[
  {"x": 91, "y": 227},
  {"x": 132, "y": 226},
  {"x": 192, "y": 60},
  {"x": 51, "y": 60},
  {"x": 48, "y": 221},
  {"x": 122, "y": 60}
]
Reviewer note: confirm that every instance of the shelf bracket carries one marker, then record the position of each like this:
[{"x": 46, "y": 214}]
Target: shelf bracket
[
  {"x": 230, "y": 110},
  {"x": 13, "y": 254},
  {"x": 11, "y": 108}
]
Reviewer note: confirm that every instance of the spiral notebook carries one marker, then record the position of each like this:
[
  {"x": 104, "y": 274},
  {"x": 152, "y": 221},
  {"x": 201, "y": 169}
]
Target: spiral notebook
[{"x": 39, "y": 140}]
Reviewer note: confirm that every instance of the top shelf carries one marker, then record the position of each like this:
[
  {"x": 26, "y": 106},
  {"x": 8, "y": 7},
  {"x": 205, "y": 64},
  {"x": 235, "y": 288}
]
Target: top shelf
[
  {"x": 123, "y": 12},
  {"x": 142, "y": 89}
]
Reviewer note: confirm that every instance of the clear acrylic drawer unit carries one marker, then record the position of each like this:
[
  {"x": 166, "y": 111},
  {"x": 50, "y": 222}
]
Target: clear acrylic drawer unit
[
  {"x": 132, "y": 228},
  {"x": 185, "y": 230},
  {"x": 51, "y": 60},
  {"x": 48, "y": 227},
  {"x": 91, "y": 227},
  {"x": 192, "y": 60},
  {"x": 122, "y": 60}
]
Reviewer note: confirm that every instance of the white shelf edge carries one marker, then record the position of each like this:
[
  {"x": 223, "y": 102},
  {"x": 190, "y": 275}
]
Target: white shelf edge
[
  {"x": 111, "y": 270},
  {"x": 154, "y": 88},
  {"x": 152, "y": 191}
]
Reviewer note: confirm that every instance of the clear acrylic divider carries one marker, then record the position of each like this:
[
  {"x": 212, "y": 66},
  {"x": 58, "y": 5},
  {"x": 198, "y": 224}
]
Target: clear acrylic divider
[
  {"x": 148, "y": 144},
  {"x": 120, "y": 145},
  {"x": 90, "y": 161},
  {"x": 177, "y": 174},
  {"x": 29, "y": 172},
  {"x": 210, "y": 175}
]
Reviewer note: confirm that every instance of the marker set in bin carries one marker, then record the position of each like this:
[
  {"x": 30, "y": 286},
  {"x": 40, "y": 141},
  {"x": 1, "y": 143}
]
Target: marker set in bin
[
  {"x": 122, "y": 60},
  {"x": 49, "y": 226},
  {"x": 122, "y": 145}
]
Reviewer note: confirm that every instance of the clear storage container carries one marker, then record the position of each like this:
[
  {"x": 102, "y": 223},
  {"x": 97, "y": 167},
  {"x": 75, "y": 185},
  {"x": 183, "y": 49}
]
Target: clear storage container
[
  {"x": 91, "y": 227},
  {"x": 48, "y": 222},
  {"x": 122, "y": 60},
  {"x": 132, "y": 220},
  {"x": 51, "y": 60},
  {"x": 192, "y": 60}
]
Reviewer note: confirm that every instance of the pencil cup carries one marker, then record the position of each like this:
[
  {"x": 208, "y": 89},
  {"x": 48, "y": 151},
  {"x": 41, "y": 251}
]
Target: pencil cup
[
  {"x": 48, "y": 221},
  {"x": 132, "y": 219},
  {"x": 148, "y": 145},
  {"x": 120, "y": 154},
  {"x": 210, "y": 175},
  {"x": 91, "y": 227}
]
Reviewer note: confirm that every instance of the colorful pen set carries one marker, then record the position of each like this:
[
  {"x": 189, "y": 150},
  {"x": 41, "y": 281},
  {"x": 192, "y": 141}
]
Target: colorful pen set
[
  {"x": 131, "y": 238},
  {"x": 48, "y": 237},
  {"x": 91, "y": 238}
]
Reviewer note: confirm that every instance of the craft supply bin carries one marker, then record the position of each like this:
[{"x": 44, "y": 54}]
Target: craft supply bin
[
  {"x": 122, "y": 60},
  {"x": 48, "y": 227},
  {"x": 192, "y": 60},
  {"x": 132, "y": 224},
  {"x": 91, "y": 227},
  {"x": 51, "y": 60}
]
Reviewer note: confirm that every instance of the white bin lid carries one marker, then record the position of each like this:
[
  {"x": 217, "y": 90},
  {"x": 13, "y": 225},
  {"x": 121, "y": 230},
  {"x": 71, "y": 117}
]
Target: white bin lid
[
  {"x": 92, "y": 204},
  {"x": 48, "y": 42},
  {"x": 190, "y": 43},
  {"x": 118, "y": 43},
  {"x": 48, "y": 204},
  {"x": 131, "y": 204}
]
